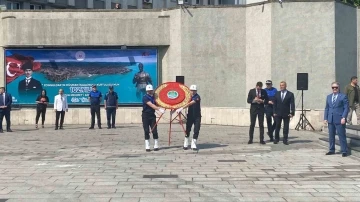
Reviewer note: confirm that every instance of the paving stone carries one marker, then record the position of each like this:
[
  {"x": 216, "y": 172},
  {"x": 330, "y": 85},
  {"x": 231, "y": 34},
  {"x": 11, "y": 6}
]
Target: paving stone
[{"x": 82, "y": 165}]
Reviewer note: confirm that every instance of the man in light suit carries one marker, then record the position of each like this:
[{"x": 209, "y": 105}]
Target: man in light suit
[
  {"x": 284, "y": 109},
  {"x": 60, "y": 107},
  {"x": 5, "y": 107},
  {"x": 336, "y": 111}
]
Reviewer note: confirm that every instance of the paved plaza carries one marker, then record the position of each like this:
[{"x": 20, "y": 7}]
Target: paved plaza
[{"x": 77, "y": 164}]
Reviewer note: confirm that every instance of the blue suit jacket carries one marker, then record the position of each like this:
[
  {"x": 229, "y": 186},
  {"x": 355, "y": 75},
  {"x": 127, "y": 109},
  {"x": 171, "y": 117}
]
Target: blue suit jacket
[{"x": 334, "y": 113}]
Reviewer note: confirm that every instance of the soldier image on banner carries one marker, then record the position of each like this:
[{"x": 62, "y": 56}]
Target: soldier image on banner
[{"x": 141, "y": 79}]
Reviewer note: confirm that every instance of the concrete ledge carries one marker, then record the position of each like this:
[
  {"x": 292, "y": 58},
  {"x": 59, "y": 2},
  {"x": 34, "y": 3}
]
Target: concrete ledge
[{"x": 213, "y": 115}]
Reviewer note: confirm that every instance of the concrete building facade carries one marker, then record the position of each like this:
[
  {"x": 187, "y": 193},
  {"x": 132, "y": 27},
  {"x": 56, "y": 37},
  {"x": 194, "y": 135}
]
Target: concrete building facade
[
  {"x": 224, "y": 50},
  {"x": 110, "y": 4}
]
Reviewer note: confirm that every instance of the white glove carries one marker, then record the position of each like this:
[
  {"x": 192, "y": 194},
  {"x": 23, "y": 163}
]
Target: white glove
[
  {"x": 162, "y": 110},
  {"x": 179, "y": 110}
]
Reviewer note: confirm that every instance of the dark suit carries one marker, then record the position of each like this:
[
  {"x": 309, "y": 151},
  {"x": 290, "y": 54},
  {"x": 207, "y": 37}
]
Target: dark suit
[
  {"x": 34, "y": 86},
  {"x": 257, "y": 110},
  {"x": 282, "y": 109},
  {"x": 333, "y": 114},
  {"x": 5, "y": 111}
]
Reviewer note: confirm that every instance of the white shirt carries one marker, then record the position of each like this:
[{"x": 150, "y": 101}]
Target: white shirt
[
  {"x": 27, "y": 79},
  {"x": 60, "y": 103},
  {"x": 332, "y": 98},
  {"x": 283, "y": 94}
]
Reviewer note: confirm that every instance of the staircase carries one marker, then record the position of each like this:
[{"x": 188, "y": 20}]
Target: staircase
[{"x": 352, "y": 138}]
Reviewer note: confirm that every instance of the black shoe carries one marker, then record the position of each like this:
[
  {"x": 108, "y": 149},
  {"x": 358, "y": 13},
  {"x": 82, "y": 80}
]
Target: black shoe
[
  {"x": 156, "y": 149},
  {"x": 185, "y": 148},
  {"x": 100, "y": 127},
  {"x": 91, "y": 128},
  {"x": 56, "y": 128},
  {"x": 148, "y": 150},
  {"x": 1, "y": 131},
  {"x": 276, "y": 141},
  {"x": 262, "y": 142},
  {"x": 9, "y": 130},
  {"x": 286, "y": 143},
  {"x": 330, "y": 153},
  {"x": 250, "y": 142},
  {"x": 108, "y": 127},
  {"x": 113, "y": 127},
  {"x": 61, "y": 128},
  {"x": 271, "y": 140},
  {"x": 344, "y": 155}
]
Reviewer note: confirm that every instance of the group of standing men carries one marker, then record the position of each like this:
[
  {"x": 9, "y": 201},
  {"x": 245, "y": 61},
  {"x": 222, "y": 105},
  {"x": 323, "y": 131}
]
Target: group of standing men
[{"x": 277, "y": 105}]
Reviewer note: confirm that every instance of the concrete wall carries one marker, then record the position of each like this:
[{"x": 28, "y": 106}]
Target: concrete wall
[
  {"x": 345, "y": 43},
  {"x": 224, "y": 50},
  {"x": 258, "y": 45},
  {"x": 303, "y": 40},
  {"x": 213, "y": 54}
]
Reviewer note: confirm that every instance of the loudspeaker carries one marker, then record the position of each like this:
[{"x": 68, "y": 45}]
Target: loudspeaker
[
  {"x": 180, "y": 79},
  {"x": 302, "y": 81}
]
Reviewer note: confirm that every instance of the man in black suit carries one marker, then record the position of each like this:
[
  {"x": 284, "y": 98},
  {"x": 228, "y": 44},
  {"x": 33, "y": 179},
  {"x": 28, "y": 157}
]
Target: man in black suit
[
  {"x": 5, "y": 108},
  {"x": 257, "y": 97},
  {"x": 29, "y": 84},
  {"x": 284, "y": 109}
]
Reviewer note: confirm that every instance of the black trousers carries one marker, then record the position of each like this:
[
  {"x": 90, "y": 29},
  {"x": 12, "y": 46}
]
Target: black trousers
[
  {"x": 2, "y": 114},
  {"x": 149, "y": 121},
  {"x": 286, "y": 120},
  {"x": 7, "y": 118},
  {"x": 269, "y": 120},
  {"x": 58, "y": 114},
  {"x": 95, "y": 109},
  {"x": 110, "y": 115},
  {"x": 257, "y": 112},
  {"x": 42, "y": 112},
  {"x": 190, "y": 121}
]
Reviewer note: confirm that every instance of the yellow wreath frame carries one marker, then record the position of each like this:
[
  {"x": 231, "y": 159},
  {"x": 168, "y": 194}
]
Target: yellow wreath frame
[{"x": 167, "y": 106}]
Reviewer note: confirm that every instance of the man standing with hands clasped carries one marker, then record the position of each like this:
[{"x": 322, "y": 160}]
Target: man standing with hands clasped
[
  {"x": 60, "y": 107},
  {"x": 284, "y": 109},
  {"x": 95, "y": 100},
  {"x": 5, "y": 108},
  {"x": 257, "y": 97},
  {"x": 111, "y": 105},
  {"x": 336, "y": 111}
]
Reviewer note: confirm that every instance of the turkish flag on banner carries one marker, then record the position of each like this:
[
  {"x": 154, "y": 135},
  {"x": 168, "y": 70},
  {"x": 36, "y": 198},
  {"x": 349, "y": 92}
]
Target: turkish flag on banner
[{"x": 14, "y": 66}]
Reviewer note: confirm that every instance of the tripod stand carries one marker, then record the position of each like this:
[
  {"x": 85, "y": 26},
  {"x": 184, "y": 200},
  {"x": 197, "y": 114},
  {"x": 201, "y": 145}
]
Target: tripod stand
[{"x": 303, "y": 121}]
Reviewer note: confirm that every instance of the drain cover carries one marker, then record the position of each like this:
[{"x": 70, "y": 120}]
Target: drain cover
[
  {"x": 160, "y": 176},
  {"x": 229, "y": 161}
]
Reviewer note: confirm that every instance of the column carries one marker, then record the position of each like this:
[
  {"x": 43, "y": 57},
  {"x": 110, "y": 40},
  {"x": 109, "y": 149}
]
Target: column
[
  {"x": 26, "y": 6},
  {"x": 139, "y": 4},
  {"x": 71, "y": 2},
  {"x": 90, "y": 4},
  {"x": 205, "y": 2},
  {"x": 193, "y": 2},
  {"x": 108, "y": 4},
  {"x": 216, "y": 2},
  {"x": 167, "y": 4},
  {"x": 124, "y": 4}
]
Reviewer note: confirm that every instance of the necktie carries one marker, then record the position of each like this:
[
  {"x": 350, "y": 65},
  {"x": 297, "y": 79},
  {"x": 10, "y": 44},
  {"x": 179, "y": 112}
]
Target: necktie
[
  {"x": 282, "y": 96},
  {"x": 334, "y": 99},
  {"x": 2, "y": 103},
  {"x": 258, "y": 93},
  {"x": 27, "y": 81}
]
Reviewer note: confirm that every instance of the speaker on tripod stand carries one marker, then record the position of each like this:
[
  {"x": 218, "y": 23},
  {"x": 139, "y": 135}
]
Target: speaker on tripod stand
[{"x": 302, "y": 84}]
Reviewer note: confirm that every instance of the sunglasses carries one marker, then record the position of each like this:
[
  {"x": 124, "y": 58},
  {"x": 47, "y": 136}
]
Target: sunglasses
[{"x": 334, "y": 87}]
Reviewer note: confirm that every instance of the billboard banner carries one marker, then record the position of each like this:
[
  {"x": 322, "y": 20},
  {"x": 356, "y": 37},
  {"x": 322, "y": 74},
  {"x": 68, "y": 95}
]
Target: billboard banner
[{"x": 29, "y": 71}]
